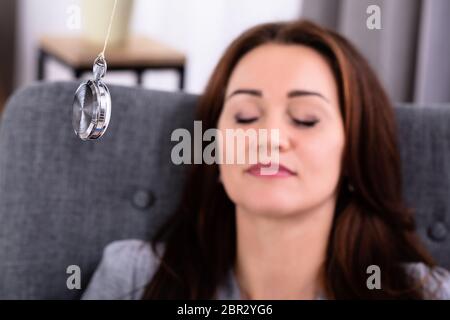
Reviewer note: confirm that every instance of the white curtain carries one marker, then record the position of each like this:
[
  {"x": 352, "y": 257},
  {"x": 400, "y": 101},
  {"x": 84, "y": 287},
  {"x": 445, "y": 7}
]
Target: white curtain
[{"x": 411, "y": 53}]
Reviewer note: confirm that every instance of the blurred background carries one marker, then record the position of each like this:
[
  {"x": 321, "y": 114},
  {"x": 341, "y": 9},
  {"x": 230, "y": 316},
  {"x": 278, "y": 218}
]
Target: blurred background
[
  {"x": 175, "y": 44},
  {"x": 62, "y": 199}
]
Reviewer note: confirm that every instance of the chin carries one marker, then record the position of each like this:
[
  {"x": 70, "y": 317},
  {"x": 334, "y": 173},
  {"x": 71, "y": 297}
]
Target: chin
[
  {"x": 273, "y": 212},
  {"x": 272, "y": 206}
]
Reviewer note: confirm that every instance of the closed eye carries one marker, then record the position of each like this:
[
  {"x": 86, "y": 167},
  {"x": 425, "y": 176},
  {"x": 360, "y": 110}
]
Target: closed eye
[
  {"x": 245, "y": 120},
  {"x": 309, "y": 123}
]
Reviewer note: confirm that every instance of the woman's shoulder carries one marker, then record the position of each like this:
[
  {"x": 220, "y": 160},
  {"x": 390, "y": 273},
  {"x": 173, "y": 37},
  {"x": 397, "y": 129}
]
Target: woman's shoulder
[
  {"x": 125, "y": 269},
  {"x": 435, "y": 280}
]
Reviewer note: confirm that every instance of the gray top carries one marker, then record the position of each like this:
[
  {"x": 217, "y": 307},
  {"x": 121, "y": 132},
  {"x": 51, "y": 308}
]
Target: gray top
[{"x": 128, "y": 265}]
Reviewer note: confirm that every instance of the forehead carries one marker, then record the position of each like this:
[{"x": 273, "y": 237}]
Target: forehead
[{"x": 278, "y": 68}]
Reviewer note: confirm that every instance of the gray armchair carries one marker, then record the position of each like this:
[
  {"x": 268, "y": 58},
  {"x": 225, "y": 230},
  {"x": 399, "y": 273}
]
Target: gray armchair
[{"x": 62, "y": 200}]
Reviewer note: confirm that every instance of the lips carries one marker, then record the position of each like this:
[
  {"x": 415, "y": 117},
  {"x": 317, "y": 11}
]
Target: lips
[{"x": 276, "y": 170}]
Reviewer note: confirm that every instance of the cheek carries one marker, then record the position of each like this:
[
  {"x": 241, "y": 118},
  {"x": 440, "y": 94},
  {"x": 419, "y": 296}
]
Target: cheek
[
  {"x": 320, "y": 158},
  {"x": 231, "y": 178},
  {"x": 235, "y": 159}
]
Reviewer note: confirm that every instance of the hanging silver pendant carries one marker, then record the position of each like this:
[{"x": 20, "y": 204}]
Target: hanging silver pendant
[{"x": 92, "y": 104}]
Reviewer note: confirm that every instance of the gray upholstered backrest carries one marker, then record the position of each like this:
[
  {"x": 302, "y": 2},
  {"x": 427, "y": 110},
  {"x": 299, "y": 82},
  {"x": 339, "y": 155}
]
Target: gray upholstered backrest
[
  {"x": 424, "y": 137},
  {"x": 62, "y": 200}
]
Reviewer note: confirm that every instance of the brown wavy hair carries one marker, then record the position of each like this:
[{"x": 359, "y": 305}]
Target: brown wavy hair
[{"x": 372, "y": 224}]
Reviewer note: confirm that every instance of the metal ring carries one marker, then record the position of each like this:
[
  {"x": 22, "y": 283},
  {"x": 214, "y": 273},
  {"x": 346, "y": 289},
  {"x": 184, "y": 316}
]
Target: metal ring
[
  {"x": 100, "y": 67},
  {"x": 91, "y": 110}
]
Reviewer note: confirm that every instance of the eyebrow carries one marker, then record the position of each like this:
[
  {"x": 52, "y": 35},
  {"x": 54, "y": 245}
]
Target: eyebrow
[
  {"x": 290, "y": 94},
  {"x": 252, "y": 92},
  {"x": 300, "y": 93}
]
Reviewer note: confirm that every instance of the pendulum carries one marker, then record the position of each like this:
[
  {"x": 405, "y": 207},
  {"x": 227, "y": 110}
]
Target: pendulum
[
  {"x": 92, "y": 105},
  {"x": 92, "y": 101}
]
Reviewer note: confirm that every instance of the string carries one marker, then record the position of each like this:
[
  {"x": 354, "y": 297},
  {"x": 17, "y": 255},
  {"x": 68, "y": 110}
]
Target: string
[{"x": 102, "y": 54}]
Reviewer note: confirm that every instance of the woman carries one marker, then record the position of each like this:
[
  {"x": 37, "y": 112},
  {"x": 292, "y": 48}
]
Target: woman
[{"x": 332, "y": 211}]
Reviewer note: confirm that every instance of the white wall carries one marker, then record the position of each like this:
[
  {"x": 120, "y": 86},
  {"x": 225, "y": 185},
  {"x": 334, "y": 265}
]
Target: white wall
[
  {"x": 37, "y": 17},
  {"x": 200, "y": 28}
]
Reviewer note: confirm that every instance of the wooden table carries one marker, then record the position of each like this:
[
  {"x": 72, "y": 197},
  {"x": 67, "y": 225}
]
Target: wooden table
[{"x": 138, "y": 54}]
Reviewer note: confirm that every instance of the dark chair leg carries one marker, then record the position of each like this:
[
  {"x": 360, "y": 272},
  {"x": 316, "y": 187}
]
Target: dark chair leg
[
  {"x": 139, "y": 77},
  {"x": 41, "y": 64},
  {"x": 77, "y": 73},
  {"x": 181, "y": 78}
]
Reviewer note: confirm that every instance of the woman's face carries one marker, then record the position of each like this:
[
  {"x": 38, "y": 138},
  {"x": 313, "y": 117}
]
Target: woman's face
[{"x": 289, "y": 88}]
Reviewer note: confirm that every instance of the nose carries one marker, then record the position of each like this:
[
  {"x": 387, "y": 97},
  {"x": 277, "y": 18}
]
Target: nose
[
  {"x": 282, "y": 143},
  {"x": 277, "y": 137}
]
